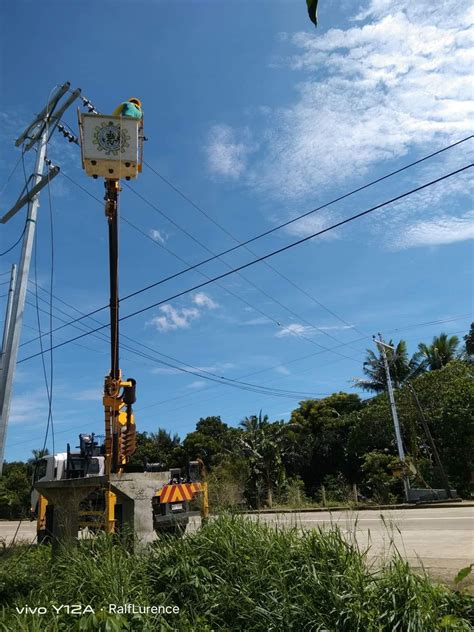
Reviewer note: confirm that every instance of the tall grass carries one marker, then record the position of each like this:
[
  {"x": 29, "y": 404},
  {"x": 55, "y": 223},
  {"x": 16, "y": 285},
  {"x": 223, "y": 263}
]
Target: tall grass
[{"x": 234, "y": 574}]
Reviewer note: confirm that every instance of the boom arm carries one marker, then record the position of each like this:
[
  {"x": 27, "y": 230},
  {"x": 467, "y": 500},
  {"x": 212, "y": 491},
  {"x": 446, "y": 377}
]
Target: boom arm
[{"x": 119, "y": 395}]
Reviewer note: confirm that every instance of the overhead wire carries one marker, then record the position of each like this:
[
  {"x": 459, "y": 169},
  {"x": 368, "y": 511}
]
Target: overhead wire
[
  {"x": 177, "y": 426},
  {"x": 247, "y": 280},
  {"x": 209, "y": 217},
  {"x": 256, "y": 237},
  {"x": 9, "y": 177},
  {"x": 227, "y": 290},
  {"x": 193, "y": 370},
  {"x": 196, "y": 371},
  {"x": 51, "y": 283},
  {"x": 272, "y": 253},
  {"x": 91, "y": 108},
  {"x": 5, "y": 252}
]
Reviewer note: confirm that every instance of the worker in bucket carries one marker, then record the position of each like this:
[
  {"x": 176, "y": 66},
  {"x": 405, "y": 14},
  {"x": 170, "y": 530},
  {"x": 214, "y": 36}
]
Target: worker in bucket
[{"x": 131, "y": 108}]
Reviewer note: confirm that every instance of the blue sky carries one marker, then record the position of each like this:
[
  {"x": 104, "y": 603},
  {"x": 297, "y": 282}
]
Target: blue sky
[{"x": 257, "y": 117}]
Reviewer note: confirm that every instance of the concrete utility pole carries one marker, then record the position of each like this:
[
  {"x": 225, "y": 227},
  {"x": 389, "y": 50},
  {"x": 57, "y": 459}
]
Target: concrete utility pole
[
  {"x": 37, "y": 133},
  {"x": 8, "y": 314},
  {"x": 401, "y": 453}
]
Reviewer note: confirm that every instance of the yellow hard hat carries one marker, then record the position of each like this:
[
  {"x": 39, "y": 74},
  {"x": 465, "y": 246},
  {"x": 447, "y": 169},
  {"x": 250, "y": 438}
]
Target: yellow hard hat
[{"x": 136, "y": 101}]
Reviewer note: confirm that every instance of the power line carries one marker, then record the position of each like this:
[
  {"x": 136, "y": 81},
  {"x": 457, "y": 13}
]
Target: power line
[
  {"x": 10, "y": 175},
  {"x": 271, "y": 267},
  {"x": 270, "y": 254},
  {"x": 245, "y": 243},
  {"x": 227, "y": 290},
  {"x": 235, "y": 295},
  {"x": 193, "y": 370},
  {"x": 71, "y": 428},
  {"x": 431, "y": 322},
  {"x": 51, "y": 283},
  {"x": 5, "y": 252},
  {"x": 193, "y": 267},
  {"x": 251, "y": 283}
]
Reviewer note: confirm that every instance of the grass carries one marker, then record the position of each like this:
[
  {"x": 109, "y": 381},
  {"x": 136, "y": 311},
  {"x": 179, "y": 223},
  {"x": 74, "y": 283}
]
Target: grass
[{"x": 234, "y": 574}]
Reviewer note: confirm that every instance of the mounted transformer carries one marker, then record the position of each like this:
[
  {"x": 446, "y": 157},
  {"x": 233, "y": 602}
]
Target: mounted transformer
[{"x": 115, "y": 495}]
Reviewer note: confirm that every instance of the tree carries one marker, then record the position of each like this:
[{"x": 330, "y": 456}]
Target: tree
[
  {"x": 442, "y": 350},
  {"x": 401, "y": 368},
  {"x": 212, "y": 441},
  {"x": 15, "y": 489},
  {"x": 39, "y": 454},
  {"x": 378, "y": 480},
  {"x": 447, "y": 398},
  {"x": 469, "y": 341},
  {"x": 254, "y": 422},
  {"x": 323, "y": 440},
  {"x": 264, "y": 445},
  {"x": 157, "y": 447}
]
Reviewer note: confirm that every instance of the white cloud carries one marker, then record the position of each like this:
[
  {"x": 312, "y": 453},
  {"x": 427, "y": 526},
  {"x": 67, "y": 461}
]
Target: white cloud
[
  {"x": 295, "y": 329},
  {"x": 282, "y": 370},
  {"x": 226, "y": 152},
  {"x": 370, "y": 93},
  {"x": 314, "y": 224},
  {"x": 29, "y": 408},
  {"x": 203, "y": 300},
  {"x": 172, "y": 318},
  {"x": 441, "y": 230},
  {"x": 158, "y": 235},
  {"x": 219, "y": 367},
  {"x": 197, "y": 384}
]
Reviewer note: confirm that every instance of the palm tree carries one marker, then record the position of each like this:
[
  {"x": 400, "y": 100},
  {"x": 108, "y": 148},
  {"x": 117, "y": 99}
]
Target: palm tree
[
  {"x": 254, "y": 422},
  {"x": 38, "y": 454},
  {"x": 442, "y": 350},
  {"x": 401, "y": 368}
]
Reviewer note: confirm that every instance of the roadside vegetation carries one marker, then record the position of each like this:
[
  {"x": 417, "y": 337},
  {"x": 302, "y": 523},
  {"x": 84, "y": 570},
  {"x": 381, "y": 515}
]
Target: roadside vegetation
[
  {"x": 233, "y": 574},
  {"x": 338, "y": 450}
]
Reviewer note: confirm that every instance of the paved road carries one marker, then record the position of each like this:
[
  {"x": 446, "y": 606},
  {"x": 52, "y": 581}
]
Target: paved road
[
  {"x": 440, "y": 539},
  {"x": 8, "y": 530}
]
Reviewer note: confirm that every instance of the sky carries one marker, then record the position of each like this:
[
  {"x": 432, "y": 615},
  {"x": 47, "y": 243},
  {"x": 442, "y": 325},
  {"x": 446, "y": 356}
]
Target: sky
[{"x": 253, "y": 117}]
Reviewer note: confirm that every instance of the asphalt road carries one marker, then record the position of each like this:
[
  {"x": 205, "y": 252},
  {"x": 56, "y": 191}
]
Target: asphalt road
[{"x": 440, "y": 539}]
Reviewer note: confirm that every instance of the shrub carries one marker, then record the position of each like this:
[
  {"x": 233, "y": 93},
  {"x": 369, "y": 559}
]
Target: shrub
[{"x": 234, "y": 574}]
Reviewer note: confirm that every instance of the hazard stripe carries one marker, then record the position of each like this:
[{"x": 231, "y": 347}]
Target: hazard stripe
[
  {"x": 179, "y": 493},
  {"x": 165, "y": 493},
  {"x": 185, "y": 490},
  {"x": 175, "y": 495}
]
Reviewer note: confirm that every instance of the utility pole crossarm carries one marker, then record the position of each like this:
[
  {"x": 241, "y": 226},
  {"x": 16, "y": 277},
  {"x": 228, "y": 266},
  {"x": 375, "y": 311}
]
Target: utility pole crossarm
[{"x": 25, "y": 199}]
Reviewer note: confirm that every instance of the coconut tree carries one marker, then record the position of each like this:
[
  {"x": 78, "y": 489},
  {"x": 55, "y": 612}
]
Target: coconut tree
[
  {"x": 254, "y": 422},
  {"x": 401, "y": 368},
  {"x": 442, "y": 350}
]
